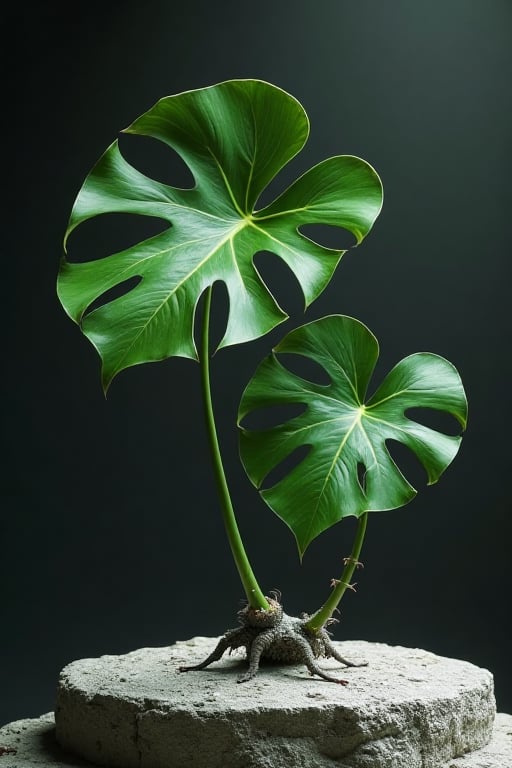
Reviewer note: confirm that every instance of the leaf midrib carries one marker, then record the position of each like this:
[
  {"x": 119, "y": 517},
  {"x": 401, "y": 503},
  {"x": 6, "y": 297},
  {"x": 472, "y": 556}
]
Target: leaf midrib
[
  {"x": 240, "y": 225},
  {"x": 228, "y": 238},
  {"x": 356, "y": 421}
]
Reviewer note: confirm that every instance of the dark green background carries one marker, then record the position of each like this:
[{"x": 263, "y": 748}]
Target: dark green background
[{"x": 110, "y": 533}]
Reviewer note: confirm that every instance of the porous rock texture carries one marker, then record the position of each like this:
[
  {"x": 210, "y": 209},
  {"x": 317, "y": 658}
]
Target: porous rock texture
[
  {"x": 32, "y": 744},
  {"x": 408, "y": 708}
]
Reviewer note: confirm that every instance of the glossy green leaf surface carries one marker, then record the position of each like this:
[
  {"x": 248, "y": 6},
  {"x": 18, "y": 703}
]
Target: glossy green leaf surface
[
  {"x": 234, "y": 137},
  {"x": 343, "y": 429}
]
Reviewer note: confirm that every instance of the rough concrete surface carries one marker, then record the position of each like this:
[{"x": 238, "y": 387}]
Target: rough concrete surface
[
  {"x": 409, "y": 708},
  {"x": 34, "y": 746}
]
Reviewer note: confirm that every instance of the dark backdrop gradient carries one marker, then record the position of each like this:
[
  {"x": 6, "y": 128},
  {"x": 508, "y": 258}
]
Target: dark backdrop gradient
[{"x": 111, "y": 537}]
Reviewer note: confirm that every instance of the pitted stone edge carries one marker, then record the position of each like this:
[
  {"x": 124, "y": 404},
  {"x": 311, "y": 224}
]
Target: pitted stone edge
[{"x": 36, "y": 747}]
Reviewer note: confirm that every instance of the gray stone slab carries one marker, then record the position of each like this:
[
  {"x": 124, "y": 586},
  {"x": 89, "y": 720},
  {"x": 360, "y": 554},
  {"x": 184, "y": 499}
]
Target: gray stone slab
[
  {"x": 33, "y": 745},
  {"x": 408, "y": 709}
]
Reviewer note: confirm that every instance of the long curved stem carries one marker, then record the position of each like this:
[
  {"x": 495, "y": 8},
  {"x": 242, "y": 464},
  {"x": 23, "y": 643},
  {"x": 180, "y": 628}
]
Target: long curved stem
[
  {"x": 255, "y": 596},
  {"x": 322, "y": 616}
]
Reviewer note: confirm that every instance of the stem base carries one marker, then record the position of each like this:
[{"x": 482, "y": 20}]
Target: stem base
[{"x": 272, "y": 634}]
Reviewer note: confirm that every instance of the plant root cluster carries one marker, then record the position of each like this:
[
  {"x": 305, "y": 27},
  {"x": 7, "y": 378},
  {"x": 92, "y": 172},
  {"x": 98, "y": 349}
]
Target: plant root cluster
[{"x": 272, "y": 634}]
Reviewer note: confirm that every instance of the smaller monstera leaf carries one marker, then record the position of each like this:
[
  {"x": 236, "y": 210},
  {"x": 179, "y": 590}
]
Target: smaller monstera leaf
[
  {"x": 235, "y": 137},
  {"x": 343, "y": 431}
]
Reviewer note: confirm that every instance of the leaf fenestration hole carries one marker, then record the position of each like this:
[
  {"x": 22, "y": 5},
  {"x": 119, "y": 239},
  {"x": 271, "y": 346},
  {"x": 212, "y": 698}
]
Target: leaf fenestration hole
[
  {"x": 361, "y": 476},
  {"x": 219, "y": 312},
  {"x": 280, "y": 281},
  {"x": 272, "y": 416},
  {"x": 281, "y": 470},
  {"x": 407, "y": 462},
  {"x": 110, "y": 233},
  {"x": 114, "y": 293},
  {"x": 328, "y": 236},
  {"x": 156, "y": 160},
  {"x": 441, "y": 421},
  {"x": 306, "y": 368},
  {"x": 278, "y": 184}
]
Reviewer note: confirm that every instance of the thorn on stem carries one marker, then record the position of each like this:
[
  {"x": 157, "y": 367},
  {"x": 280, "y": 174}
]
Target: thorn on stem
[
  {"x": 357, "y": 563},
  {"x": 335, "y": 582}
]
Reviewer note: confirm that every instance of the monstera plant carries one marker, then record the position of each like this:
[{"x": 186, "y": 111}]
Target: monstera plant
[{"x": 235, "y": 137}]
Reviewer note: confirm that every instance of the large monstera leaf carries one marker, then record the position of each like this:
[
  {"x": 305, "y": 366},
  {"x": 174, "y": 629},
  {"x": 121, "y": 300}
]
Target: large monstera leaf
[
  {"x": 345, "y": 432},
  {"x": 234, "y": 137}
]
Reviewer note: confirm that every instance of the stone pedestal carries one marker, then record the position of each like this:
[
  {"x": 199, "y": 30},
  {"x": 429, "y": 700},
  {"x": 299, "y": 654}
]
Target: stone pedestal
[
  {"x": 32, "y": 744},
  {"x": 408, "y": 708}
]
